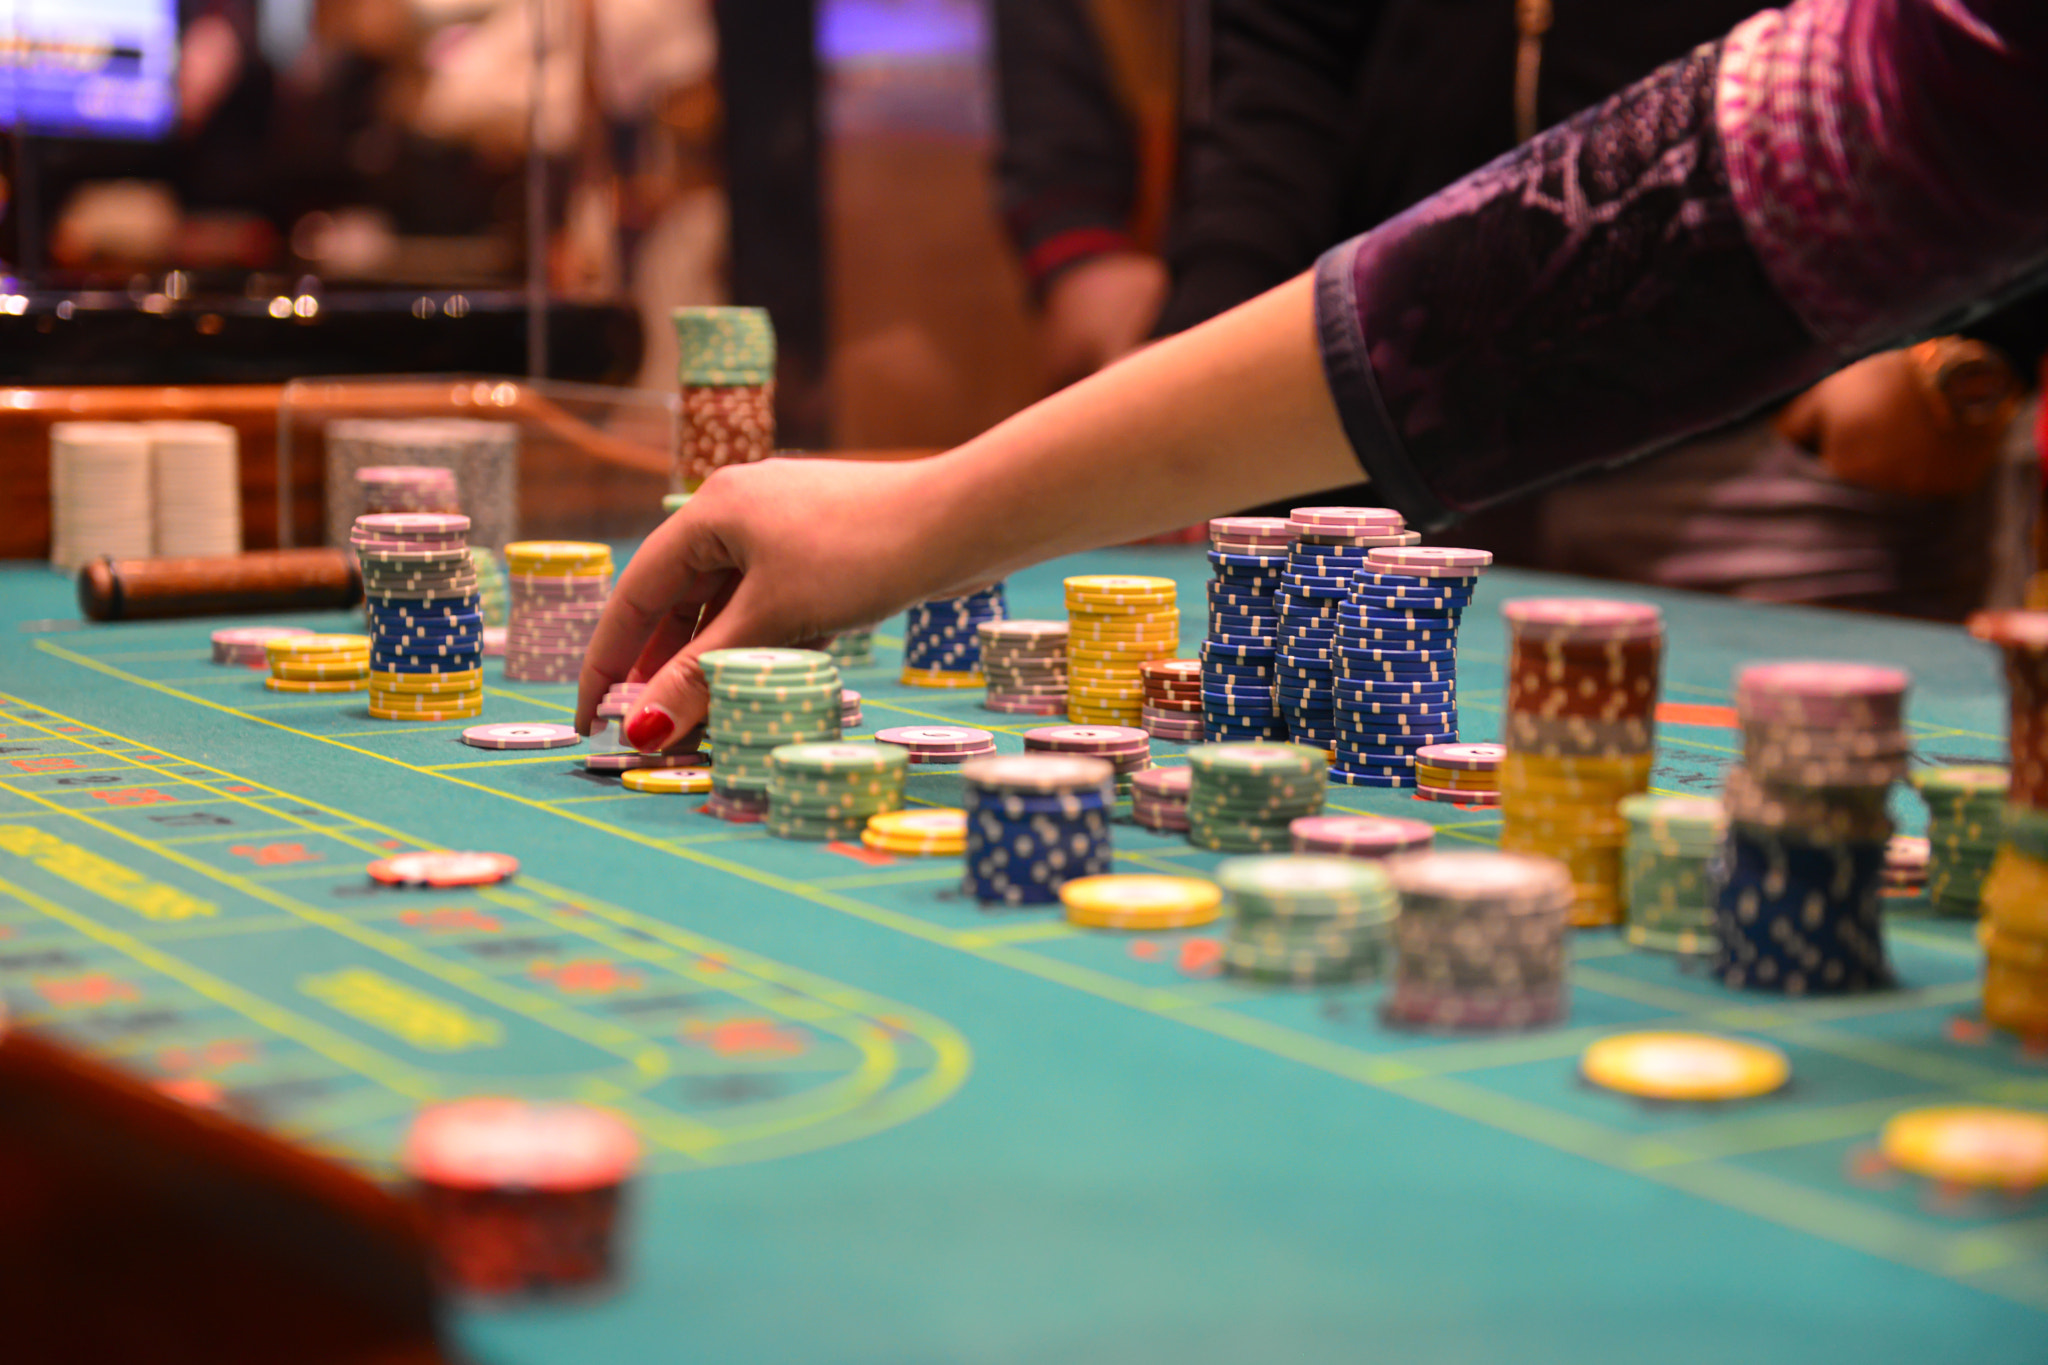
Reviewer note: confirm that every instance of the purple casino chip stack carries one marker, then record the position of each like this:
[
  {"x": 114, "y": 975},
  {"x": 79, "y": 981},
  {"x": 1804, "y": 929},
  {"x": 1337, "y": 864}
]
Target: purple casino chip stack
[
  {"x": 1025, "y": 666},
  {"x": 942, "y": 744},
  {"x": 559, "y": 588},
  {"x": 1127, "y": 748},
  {"x": 408, "y": 488}
]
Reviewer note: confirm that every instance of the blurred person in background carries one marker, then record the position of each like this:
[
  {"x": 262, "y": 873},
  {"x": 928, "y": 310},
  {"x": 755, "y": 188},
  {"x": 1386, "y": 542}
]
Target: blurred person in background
[{"x": 1308, "y": 121}]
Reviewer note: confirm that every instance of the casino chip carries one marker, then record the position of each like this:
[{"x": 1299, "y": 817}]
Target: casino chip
[
  {"x": 1684, "y": 1066},
  {"x": 444, "y": 869},
  {"x": 1965, "y": 822},
  {"x": 1172, "y": 699},
  {"x": 2015, "y": 890},
  {"x": 1127, "y": 748},
  {"x": 942, "y": 638},
  {"x": 1159, "y": 799},
  {"x": 1307, "y": 920},
  {"x": 559, "y": 589},
  {"x": 1465, "y": 774},
  {"x": 761, "y": 700},
  {"x": 668, "y": 781},
  {"x": 1977, "y": 1145},
  {"x": 1481, "y": 942},
  {"x": 520, "y": 1197},
  {"x": 1243, "y": 797},
  {"x": 1034, "y": 822},
  {"x": 853, "y": 648},
  {"x": 521, "y": 735},
  {"x": 1667, "y": 872},
  {"x": 1360, "y": 836},
  {"x": 246, "y": 646},
  {"x": 630, "y": 760},
  {"x": 1141, "y": 902},
  {"x": 933, "y": 830},
  {"x": 939, "y": 743},
  {"x": 830, "y": 791},
  {"x": 1025, "y": 663},
  {"x": 1115, "y": 623}
]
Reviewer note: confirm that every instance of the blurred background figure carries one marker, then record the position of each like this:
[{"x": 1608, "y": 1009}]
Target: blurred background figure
[{"x": 1902, "y": 484}]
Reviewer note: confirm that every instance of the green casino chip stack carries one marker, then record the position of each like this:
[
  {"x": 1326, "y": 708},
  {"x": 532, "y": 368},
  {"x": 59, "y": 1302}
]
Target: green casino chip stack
[
  {"x": 822, "y": 792},
  {"x": 493, "y": 589},
  {"x": 1966, "y": 815},
  {"x": 1242, "y": 797},
  {"x": 1308, "y": 919},
  {"x": 853, "y": 648},
  {"x": 761, "y": 700},
  {"x": 1667, "y": 871}
]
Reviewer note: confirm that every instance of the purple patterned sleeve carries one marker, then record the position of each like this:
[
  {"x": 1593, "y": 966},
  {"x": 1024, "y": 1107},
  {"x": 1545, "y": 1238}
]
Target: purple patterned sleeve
[{"x": 1719, "y": 235}]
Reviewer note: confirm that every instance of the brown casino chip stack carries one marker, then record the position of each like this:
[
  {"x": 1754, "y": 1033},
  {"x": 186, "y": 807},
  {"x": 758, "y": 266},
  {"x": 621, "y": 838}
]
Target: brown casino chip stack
[
  {"x": 521, "y": 1199},
  {"x": 1583, "y": 676},
  {"x": 2014, "y": 928},
  {"x": 726, "y": 370}
]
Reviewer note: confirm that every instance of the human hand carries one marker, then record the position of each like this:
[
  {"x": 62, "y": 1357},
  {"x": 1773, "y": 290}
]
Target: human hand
[
  {"x": 1100, "y": 311},
  {"x": 1880, "y": 424},
  {"x": 784, "y": 552}
]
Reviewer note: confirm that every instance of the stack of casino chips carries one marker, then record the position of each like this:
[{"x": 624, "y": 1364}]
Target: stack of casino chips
[
  {"x": 1240, "y": 659},
  {"x": 1159, "y": 799},
  {"x": 619, "y": 700},
  {"x": 822, "y": 792},
  {"x": 1307, "y": 919},
  {"x": 408, "y": 488},
  {"x": 760, "y": 700},
  {"x": 1464, "y": 774},
  {"x": 1329, "y": 545},
  {"x": 726, "y": 368},
  {"x": 853, "y": 648},
  {"x": 1578, "y": 728},
  {"x": 1965, "y": 819},
  {"x": 493, "y": 591},
  {"x": 942, "y": 638},
  {"x": 1245, "y": 797},
  {"x": 196, "y": 482},
  {"x": 1668, "y": 871},
  {"x": 849, "y": 708},
  {"x": 1034, "y": 823},
  {"x": 100, "y": 498},
  {"x": 1025, "y": 663},
  {"x": 938, "y": 744},
  {"x": 1372, "y": 837},
  {"x": 1905, "y": 862},
  {"x": 930, "y": 831},
  {"x": 1396, "y": 688},
  {"x": 318, "y": 663},
  {"x": 559, "y": 589},
  {"x": 426, "y": 631},
  {"x": 1480, "y": 942},
  {"x": 245, "y": 646},
  {"x": 1115, "y": 624},
  {"x": 519, "y": 1198},
  {"x": 1173, "y": 699},
  {"x": 2015, "y": 895},
  {"x": 1802, "y": 871},
  {"x": 1125, "y": 747}
]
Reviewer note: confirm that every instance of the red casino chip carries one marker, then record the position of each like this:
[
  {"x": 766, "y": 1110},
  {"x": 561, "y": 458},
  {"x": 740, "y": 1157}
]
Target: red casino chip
[{"x": 445, "y": 868}]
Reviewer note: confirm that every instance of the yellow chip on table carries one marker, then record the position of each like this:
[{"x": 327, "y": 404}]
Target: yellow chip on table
[
  {"x": 933, "y": 677},
  {"x": 1137, "y": 901},
  {"x": 1966, "y": 1144},
  {"x": 940, "y": 829},
  {"x": 668, "y": 781},
  {"x": 317, "y": 672},
  {"x": 1685, "y": 1066},
  {"x": 462, "y": 713}
]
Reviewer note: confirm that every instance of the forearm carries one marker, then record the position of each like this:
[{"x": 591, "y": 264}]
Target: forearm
[{"x": 1230, "y": 414}]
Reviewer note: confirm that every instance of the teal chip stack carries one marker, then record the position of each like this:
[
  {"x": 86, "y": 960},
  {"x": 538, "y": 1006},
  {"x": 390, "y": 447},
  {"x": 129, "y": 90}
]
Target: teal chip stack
[
  {"x": 1965, "y": 817},
  {"x": 726, "y": 367},
  {"x": 1667, "y": 878},
  {"x": 493, "y": 589},
  {"x": 762, "y": 699},
  {"x": 853, "y": 648},
  {"x": 1242, "y": 797},
  {"x": 1308, "y": 920},
  {"x": 823, "y": 792}
]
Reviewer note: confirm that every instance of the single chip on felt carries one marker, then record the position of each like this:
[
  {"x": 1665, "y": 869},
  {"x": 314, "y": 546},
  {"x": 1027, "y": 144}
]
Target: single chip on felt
[
  {"x": 444, "y": 868},
  {"x": 1685, "y": 1066}
]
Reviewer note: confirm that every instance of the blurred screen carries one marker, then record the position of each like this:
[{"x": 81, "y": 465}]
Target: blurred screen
[{"x": 88, "y": 68}]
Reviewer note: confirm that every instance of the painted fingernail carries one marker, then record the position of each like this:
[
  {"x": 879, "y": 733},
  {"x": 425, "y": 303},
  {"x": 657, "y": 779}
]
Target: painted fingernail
[{"x": 650, "y": 728}]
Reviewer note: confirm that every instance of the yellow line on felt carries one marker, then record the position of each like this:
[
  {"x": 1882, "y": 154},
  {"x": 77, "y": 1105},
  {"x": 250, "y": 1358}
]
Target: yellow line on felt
[
  {"x": 357, "y": 1057},
  {"x": 947, "y": 1045},
  {"x": 510, "y": 695}
]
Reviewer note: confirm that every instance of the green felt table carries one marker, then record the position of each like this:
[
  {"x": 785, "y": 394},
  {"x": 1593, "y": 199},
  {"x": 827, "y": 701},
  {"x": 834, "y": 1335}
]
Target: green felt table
[{"x": 884, "y": 1125}]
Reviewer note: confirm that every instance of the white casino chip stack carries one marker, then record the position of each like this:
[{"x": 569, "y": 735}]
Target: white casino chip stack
[
  {"x": 196, "y": 483},
  {"x": 99, "y": 493}
]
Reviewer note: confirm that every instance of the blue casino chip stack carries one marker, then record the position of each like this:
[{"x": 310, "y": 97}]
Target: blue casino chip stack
[
  {"x": 1329, "y": 545},
  {"x": 1239, "y": 661},
  {"x": 1396, "y": 655},
  {"x": 1034, "y": 823},
  {"x": 425, "y": 616},
  {"x": 942, "y": 638}
]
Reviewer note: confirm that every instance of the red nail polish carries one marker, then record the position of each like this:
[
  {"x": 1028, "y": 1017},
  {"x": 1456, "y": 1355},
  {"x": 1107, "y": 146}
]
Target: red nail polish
[{"x": 649, "y": 728}]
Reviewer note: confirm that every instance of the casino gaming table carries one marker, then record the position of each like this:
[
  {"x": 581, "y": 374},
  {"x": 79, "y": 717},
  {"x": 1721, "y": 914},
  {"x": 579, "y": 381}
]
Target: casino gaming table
[{"x": 884, "y": 1125}]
